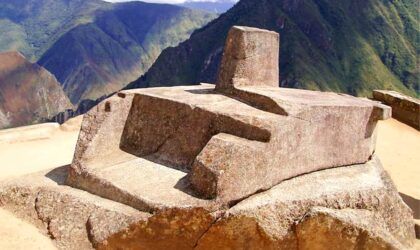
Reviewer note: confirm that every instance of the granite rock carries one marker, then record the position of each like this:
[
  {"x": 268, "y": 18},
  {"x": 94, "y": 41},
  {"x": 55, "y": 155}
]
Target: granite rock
[{"x": 404, "y": 108}]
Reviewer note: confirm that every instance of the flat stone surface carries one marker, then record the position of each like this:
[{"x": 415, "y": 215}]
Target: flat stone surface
[
  {"x": 35, "y": 148},
  {"x": 20, "y": 235},
  {"x": 402, "y": 163},
  {"x": 154, "y": 185}
]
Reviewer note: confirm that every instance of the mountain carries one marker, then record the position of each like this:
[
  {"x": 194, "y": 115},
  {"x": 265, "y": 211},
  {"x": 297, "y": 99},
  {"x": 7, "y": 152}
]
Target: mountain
[
  {"x": 93, "y": 47},
  {"x": 28, "y": 92},
  {"x": 32, "y": 26},
  {"x": 342, "y": 46},
  {"x": 215, "y": 6}
]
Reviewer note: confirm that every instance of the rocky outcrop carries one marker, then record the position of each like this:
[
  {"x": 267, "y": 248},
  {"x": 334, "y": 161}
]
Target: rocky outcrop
[
  {"x": 72, "y": 218},
  {"x": 359, "y": 199},
  {"x": 28, "y": 92},
  {"x": 404, "y": 108},
  {"x": 242, "y": 165}
]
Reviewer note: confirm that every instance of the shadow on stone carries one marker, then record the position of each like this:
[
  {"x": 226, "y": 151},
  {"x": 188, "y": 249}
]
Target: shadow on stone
[
  {"x": 184, "y": 185},
  {"x": 59, "y": 175},
  {"x": 413, "y": 203}
]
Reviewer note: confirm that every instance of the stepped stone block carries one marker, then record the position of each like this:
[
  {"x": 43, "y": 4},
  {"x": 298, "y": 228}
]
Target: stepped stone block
[{"x": 404, "y": 108}]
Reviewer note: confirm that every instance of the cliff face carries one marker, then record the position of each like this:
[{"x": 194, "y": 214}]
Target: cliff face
[
  {"x": 28, "y": 92},
  {"x": 342, "y": 46}
]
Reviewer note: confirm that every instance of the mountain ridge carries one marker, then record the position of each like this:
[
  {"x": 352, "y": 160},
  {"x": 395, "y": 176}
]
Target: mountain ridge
[
  {"x": 28, "y": 92},
  {"x": 325, "y": 45},
  {"x": 218, "y": 6},
  {"x": 93, "y": 47}
]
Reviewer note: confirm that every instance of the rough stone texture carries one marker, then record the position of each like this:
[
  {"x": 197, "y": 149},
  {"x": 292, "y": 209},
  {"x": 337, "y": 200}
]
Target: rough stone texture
[
  {"x": 167, "y": 229},
  {"x": 73, "y": 218},
  {"x": 250, "y": 58},
  {"x": 323, "y": 228},
  {"x": 219, "y": 136},
  {"x": 209, "y": 136},
  {"x": 360, "y": 198},
  {"x": 404, "y": 108},
  {"x": 268, "y": 220}
]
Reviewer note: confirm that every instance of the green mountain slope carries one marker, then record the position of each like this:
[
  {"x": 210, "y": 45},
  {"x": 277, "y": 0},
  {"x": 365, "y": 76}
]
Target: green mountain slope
[
  {"x": 343, "y": 46},
  {"x": 122, "y": 42},
  {"x": 93, "y": 47},
  {"x": 32, "y": 26}
]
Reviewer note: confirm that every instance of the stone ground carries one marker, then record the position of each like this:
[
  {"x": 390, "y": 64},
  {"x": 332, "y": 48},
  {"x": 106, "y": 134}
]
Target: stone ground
[
  {"x": 398, "y": 148},
  {"x": 19, "y": 235}
]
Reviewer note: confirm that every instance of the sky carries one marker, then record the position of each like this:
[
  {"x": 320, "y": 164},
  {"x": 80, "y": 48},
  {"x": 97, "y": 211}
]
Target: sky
[
  {"x": 161, "y": 1},
  {"x": 150, "y": 1}
]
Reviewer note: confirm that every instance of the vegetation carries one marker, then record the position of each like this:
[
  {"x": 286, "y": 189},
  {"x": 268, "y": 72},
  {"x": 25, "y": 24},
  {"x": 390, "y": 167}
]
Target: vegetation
[
  {"x": 343, "y": 46},
  {"x": 92, "y": 47}
]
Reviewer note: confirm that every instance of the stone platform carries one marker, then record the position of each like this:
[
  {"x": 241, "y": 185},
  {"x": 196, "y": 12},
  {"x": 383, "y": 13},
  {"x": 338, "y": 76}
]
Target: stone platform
[
  {"x": 243, "y": 164},
  {"x": 209, "y": 136},
  {"x": 405, "y": 108},
  {"x": 360, "y": 198}
]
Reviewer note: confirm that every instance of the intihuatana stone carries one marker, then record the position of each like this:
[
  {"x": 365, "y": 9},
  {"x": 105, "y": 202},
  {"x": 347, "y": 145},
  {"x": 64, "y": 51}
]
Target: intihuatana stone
[
  {"x": 244, "y": 164},
  {"x": 220, "y": 137}
]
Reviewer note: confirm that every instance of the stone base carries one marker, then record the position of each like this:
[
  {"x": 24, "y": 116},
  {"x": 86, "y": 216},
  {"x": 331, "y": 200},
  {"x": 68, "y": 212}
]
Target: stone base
[
  {"x": 257, "y": 136},
  {"x": 359, "y": 199}
]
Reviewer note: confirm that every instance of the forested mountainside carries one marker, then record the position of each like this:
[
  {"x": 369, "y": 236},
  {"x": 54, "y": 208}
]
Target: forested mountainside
[
  {"x": 28, "y": 92},
  {"x": 93, "y": 47},
  {"x": 343, "y": 46},
  {"x": 32, "y": 26}
]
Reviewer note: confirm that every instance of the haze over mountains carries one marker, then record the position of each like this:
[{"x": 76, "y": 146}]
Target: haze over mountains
[
  {"x": 92, "y": 47},
  {"x": 342, "y": 46},
  {"x": 28, "y": 93},
  {"x": 215, "y": 6}
]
